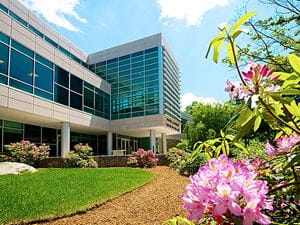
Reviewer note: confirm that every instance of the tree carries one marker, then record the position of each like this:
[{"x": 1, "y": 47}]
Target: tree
[
  {"x": 273, "y": 38},
  {"x": 207, "y": 122}
]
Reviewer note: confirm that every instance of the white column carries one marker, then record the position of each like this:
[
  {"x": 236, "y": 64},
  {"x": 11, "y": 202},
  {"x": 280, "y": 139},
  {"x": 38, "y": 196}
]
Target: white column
[
  {"x": 65, "y": 138},
  {"x": 109, "y": 143},
  {"x": 152, "y": 141},
  {"x": 164, "y": 143}
]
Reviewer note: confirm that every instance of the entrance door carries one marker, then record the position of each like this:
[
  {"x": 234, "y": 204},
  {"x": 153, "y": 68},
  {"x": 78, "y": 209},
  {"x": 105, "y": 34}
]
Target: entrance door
[{"x": 125, "y": 144}]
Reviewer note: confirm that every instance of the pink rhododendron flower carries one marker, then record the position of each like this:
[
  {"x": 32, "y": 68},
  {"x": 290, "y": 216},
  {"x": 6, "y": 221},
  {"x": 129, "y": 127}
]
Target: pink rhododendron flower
[
  {"x": 225, "y": 186},
  {"x": 283, "y": 145},
  {"x": 273, "y": 88},
  {"x": 236, "y": 89},
  {"x": 257, "y": 78}
]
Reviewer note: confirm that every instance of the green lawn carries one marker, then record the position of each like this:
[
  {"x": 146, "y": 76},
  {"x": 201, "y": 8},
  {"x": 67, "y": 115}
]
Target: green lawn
[{"x": 56, "y": 192}]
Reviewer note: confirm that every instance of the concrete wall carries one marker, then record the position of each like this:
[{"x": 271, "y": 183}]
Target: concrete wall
[{"x": 24, "y": 107}]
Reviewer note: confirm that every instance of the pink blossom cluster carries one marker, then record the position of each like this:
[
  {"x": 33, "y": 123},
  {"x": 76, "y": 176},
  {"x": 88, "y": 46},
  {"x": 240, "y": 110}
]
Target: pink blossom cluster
[
  {"x": 282, "y": 145},
  {"x": 143, "y": 158},
  {"x": 225, "y": 187},
  {"x": 256, "y": 77}
]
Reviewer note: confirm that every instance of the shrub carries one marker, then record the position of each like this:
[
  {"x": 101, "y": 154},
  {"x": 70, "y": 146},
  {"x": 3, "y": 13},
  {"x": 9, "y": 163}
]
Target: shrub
[
  {"x": 80, "y": 157},
  {"x": 26, "y": 152},
  {"x": 183, "y": 162},
  {"x": 142, "y": 158}
]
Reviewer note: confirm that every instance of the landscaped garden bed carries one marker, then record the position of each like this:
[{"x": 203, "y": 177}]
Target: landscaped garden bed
[{"x": 53, "y": 193}]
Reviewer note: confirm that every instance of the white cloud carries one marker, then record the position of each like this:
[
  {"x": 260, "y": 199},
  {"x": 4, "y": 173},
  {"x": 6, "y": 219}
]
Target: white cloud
[
  {"x": 188, "y": 98},
  {"x": 55, "y": 11},
  {"x": 191, "y": 11}
]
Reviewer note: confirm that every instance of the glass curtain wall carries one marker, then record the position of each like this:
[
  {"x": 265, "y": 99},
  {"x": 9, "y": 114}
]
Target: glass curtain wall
[
  {"x": 32, "y": 73},
  {"x": 134, "y": 80}
]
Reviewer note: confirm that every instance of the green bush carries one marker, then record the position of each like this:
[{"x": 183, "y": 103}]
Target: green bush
[
  {"x": 26, "y": 152},
  {"x": 80, "y": 157},
  {"x": 183, "y": 162}
]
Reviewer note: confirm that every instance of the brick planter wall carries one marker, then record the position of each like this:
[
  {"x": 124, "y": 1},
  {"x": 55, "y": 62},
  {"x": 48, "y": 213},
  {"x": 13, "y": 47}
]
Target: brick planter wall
[{"x": 103, "y": 161}]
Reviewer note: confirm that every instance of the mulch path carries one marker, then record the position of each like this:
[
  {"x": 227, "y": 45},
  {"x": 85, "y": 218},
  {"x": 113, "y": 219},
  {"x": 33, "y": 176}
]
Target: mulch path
[{"x": 151, "y": 204}]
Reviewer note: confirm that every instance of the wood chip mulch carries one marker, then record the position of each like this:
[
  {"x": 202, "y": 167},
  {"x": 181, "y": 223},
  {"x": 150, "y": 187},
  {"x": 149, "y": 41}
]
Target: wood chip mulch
[{"x": 151, "y": 204}]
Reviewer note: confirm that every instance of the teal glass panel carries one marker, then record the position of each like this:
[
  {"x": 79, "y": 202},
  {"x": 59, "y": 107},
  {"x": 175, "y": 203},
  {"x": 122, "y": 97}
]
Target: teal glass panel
[
  {"x": 21, "y": 86},
  {"x": 89, "y": 110},
  {"x": 4, "y": 38},
  {"x": 75, "y": 101},
  {"x": 155, "y": 49},
  {"x": 65, "y": 51},
  {"x": 3, "y": 79},
  {"x": 86, "y": 84},
  {"x": 124, "y": 62},
  {"x": 122, "y": 68},
  {"x": 3, "y": 59},
  {"x": 43, "y": 94},
  {"x": 3, "y": 8},
  {"x": 88, "y": 98},
  {"x": 36, "y": 31},
  {"x": 137, "y": 59},
  {"x": 21, "y": 67},
  {"x": 61, "y": 76},
  {"x": 151, "y": 61},
  {"x": 21, "y": 48},
  {"x": 99, "y": 103},
  {"x": 61, "y": 95},
  {"x": 151, "y": 67},
  {"x": 152, "y": 55},
  {"x": 76, "y": 84},
  {"x": 137, "y": 54},
  {"x": 19, "y": 19},
  {"x": 112, "y": 65},
  {"x": 124, "y": 73},
  {"x": 43, "y": 60},
  {"x": 51, "y": 42},
  {"x": 43, "y": 77},
  {"x": 138, "y": 70},
  {"x": 136, "y": 65}
]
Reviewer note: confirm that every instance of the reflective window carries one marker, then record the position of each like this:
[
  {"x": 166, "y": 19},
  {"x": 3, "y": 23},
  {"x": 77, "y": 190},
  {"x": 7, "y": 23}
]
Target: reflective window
[
  {"x": 19, "y": 85},
  {"x": 61, "y": 76},
  {"x": 43, "y": 77},
  {"x": 4, "y": 38},
  {"x": 61, "y": 95},
  {"x": 32, "y": 133},
  {"x": 22, "y": 48},
  {"x": 3, "y": 63},
  {"x": 76, "y": 84},
  {"x": 88, "y": 98},
  {"x": 13, "y": 132},
  {"x": 99, "y": 102},
  {"x": 43, "y": 94},
  {"x": 21, "y": 67},
  {"x": 43, "y": 60},
  {"x": 76, "y": 101}
]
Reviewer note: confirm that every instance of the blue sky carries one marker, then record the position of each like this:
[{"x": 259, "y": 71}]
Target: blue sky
[{"x": 187, "y": 25}]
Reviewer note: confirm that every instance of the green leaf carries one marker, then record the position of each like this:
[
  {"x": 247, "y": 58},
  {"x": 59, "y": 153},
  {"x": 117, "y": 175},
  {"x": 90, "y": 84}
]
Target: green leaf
[
  {"x": 217, "y": 48},
  {"x": 257, "y": 123},
  {"x": 295, "y": 62},
  {"x": 244, "y": 117},
  {"x": 294, "y": 109},
  {"x": 230, "y": 52},
  {"x": 236, "y": 33},
  {"x": 212, "y": 43},
  {"x": 243, "y": 20},
  {"x": 244, "y": 129}
]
